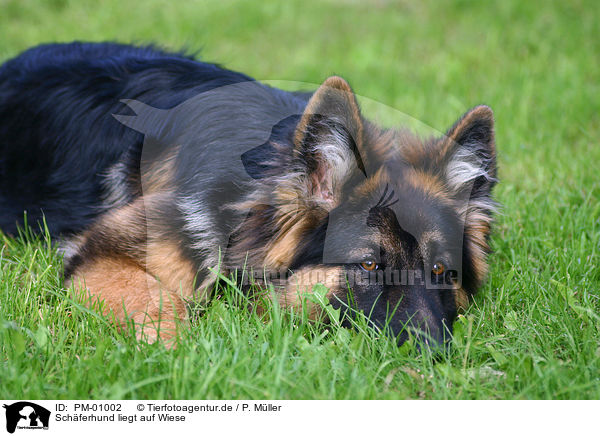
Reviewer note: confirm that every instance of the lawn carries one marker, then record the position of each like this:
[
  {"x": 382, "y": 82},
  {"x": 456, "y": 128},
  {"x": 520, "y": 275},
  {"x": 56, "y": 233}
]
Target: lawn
[{"x": 534, "y": 329}]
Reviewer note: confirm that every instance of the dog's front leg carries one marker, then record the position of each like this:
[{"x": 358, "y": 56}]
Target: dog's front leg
[{"x": 131, "y": 293}]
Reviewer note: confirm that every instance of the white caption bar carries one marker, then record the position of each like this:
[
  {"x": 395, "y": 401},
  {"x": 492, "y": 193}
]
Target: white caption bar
[{"x": 23, "y": 417}]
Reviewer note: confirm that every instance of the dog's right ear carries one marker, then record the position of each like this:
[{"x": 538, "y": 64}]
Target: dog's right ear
[
  {"x": 472, "y": 154},
  {"x": 471, "y": 175},
  {"x": 328, "y": 139}
]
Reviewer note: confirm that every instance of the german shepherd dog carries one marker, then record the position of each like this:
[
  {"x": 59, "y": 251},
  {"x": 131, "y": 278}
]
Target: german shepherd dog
[{"x": 153, "y": 170}]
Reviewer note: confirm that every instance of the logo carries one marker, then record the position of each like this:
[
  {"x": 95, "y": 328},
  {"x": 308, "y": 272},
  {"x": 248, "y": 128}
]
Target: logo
[{"x": 26, "y": 415}]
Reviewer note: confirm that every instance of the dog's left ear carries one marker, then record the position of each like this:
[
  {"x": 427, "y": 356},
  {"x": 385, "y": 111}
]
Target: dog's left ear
[
  {"x": 328, "y": 138},
  {"x": 471, "y": 153}
]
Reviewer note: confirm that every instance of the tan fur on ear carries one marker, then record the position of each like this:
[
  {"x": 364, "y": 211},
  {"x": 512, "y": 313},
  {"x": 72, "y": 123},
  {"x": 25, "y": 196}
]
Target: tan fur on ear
[{"x": 482, "y": 113}]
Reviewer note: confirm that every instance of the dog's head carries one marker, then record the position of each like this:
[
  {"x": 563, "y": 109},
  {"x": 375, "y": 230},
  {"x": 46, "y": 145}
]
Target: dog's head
[{"x": 394, "y": 226}]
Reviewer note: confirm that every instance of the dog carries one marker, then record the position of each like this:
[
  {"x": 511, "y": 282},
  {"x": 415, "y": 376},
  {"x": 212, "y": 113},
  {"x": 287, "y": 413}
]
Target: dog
[{"x": 157, "y": 172}]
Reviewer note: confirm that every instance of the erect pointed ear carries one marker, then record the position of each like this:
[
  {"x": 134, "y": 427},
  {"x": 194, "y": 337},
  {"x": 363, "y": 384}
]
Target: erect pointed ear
[
  {"x": 471, "y": 174},
  {"x": 471, "y": 152},
  {"x": 328, "y": 139}
]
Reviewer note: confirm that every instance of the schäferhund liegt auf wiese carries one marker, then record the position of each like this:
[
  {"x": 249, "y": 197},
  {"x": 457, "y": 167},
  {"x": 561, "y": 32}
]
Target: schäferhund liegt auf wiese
[{"x": 151, "y": 169}]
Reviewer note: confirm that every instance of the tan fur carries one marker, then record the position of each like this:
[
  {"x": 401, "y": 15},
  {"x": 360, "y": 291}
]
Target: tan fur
[
  {"x": 426, "y": 182},
  {"x": 302, "y": 283},
  {"x": 122, "y": 229},
  {"x": 461, "y": 299},
  {"x": 414, "y": 152},
  {"x": 159, "y": 176},
  {"x": 129, "y": 292},
  {"x": 382, "y": 143},
  {"x": 282, "y": 250},
  {"x": 130, "y": 265},
  {"x": 372, "y": 184},
  {"x": 477, "y": 228},
  {"x": 165, "y": 261}
]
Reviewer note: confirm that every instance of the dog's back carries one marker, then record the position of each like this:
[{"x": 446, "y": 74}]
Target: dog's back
[{"x": 60, "y": 146}]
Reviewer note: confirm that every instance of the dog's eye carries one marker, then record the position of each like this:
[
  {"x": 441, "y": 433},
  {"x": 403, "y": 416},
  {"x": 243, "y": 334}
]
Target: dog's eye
[
  {"x": 438, "y": 268},
  {"x": 369, "y": 265}
]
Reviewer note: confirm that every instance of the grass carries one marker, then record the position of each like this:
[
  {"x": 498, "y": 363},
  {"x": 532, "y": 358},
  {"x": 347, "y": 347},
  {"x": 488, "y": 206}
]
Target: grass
[{"x": 532, "y": 332}]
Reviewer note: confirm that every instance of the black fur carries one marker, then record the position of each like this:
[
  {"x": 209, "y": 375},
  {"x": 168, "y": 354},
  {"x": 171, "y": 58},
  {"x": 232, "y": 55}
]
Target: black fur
[{"x": 58, "y": 136}]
